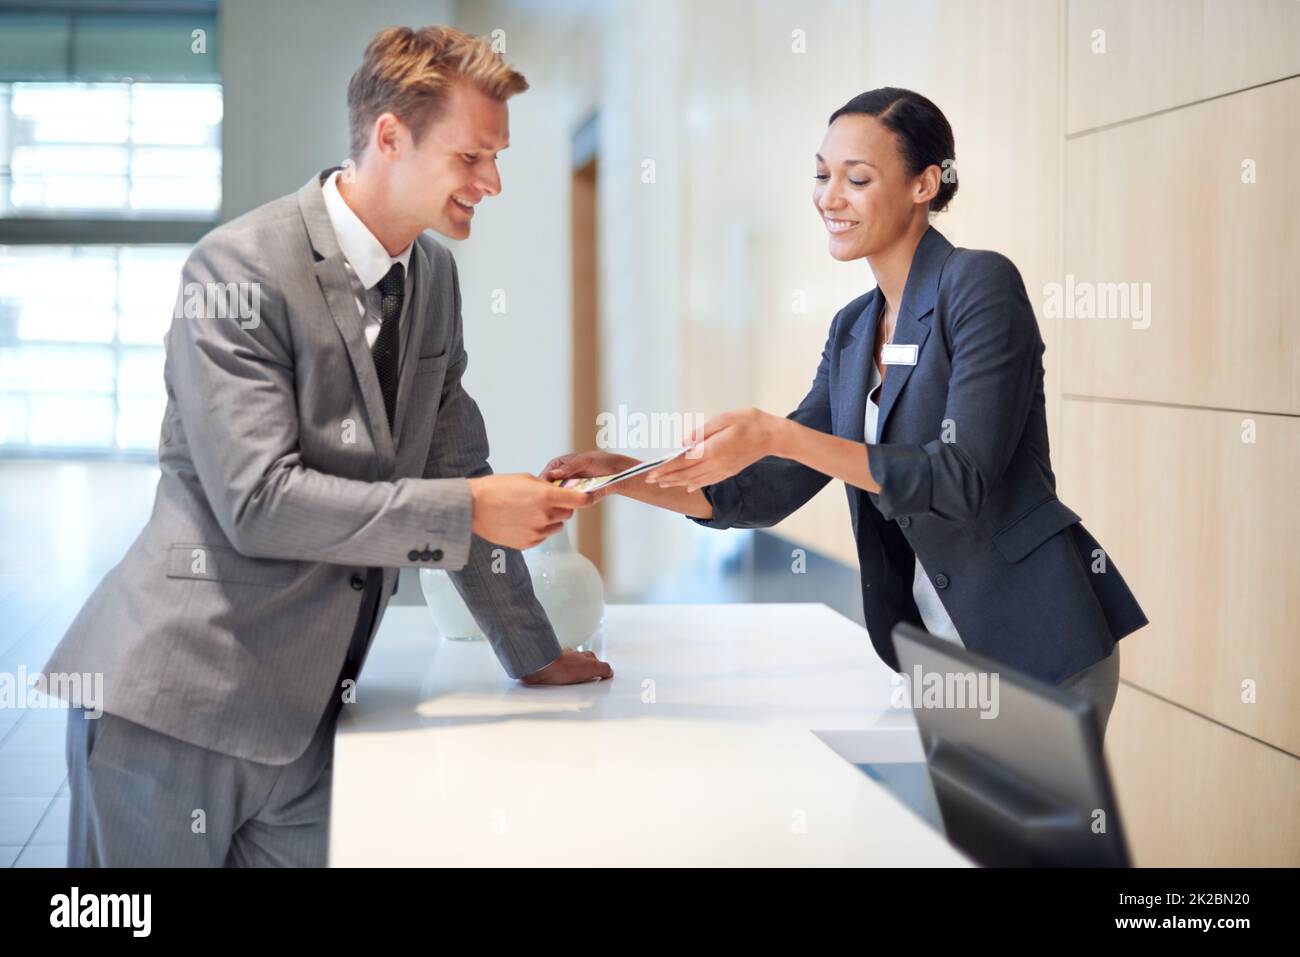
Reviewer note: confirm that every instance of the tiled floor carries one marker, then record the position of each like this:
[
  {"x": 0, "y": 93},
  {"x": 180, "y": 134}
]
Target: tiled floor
[
  {"x": 33, "y": 789},
  {"x": 65, "y": 524}
]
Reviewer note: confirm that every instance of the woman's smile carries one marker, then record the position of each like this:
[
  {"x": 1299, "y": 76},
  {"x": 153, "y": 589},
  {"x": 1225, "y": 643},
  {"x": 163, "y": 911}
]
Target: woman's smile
[{"x": 837, "y": 225}]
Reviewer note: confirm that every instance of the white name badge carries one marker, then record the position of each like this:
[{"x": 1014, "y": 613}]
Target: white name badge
[{"x": 898, "y": 354}]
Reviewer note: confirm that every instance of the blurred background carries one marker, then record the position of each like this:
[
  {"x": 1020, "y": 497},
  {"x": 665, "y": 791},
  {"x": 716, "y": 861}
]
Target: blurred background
[{"x": 655, "y": 249}]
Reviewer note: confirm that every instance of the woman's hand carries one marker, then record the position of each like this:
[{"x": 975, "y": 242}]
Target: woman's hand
[
  {"x": 586, "y": 465},
  {"x": 723, "y": 446}
]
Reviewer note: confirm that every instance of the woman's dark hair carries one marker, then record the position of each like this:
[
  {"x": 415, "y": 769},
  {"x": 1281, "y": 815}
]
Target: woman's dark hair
[{"x": 925, "y": 138}]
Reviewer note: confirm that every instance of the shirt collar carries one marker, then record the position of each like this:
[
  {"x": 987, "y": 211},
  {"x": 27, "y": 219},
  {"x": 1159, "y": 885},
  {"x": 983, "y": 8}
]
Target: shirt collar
[{"x": 366, "y": 254}]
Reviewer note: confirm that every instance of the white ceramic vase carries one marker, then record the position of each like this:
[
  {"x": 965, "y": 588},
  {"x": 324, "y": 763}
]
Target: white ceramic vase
[
  {"x": 569, "y": 588},
  {"x": 565, "y": 582}
]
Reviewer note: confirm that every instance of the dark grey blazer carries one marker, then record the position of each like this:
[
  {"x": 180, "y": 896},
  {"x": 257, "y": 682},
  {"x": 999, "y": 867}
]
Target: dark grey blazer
[{"x": 964, "y": 470}]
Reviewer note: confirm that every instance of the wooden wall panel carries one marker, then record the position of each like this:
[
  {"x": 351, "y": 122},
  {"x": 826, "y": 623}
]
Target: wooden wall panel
[
  {"x": 1167, "y": 53},
  {"x": 1162, "y": 202},
  {"x": 1205, "y": 528},
  {"x": 1195, "y": 794}
]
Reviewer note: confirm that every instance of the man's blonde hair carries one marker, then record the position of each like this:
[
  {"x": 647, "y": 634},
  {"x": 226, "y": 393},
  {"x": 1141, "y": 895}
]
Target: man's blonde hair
[{"x": 409, "y": 72}]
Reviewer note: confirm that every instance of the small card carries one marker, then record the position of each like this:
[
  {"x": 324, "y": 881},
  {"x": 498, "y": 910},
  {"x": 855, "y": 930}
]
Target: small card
[{"x": 595, "y": 482}]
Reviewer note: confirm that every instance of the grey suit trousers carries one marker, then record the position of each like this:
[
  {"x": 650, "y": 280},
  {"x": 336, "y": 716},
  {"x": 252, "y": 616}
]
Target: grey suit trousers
[{"x": 144, "y": 799}]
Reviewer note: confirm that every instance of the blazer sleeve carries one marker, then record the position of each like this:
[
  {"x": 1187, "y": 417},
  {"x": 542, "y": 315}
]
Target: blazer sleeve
[
  {"x": 773, "y": 488},
  {"x": 233, "y": 385},
  {"x": 996, "y": 358},
  {"x": 494, "y": 581}
]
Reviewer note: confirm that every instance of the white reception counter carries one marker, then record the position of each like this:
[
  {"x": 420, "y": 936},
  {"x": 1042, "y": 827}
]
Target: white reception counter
[{"x": 724, "y": 738}]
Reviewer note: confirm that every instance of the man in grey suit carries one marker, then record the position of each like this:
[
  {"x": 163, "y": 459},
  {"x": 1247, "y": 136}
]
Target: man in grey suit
[{"x": 317, "y": 439}]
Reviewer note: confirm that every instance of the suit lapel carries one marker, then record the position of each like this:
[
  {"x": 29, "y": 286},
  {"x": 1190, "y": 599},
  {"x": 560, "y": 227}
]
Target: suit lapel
[
  {"x": 333, "y": 278},
  {"x": 332, "y": 275}
]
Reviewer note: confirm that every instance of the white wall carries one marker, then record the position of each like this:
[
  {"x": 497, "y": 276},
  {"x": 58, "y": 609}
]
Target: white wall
[{"x": 623, "y": 58}]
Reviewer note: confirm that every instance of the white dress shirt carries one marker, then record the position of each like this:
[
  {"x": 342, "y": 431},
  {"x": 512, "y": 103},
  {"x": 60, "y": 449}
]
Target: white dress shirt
[
  {"x": 366, "y": 259},
  {"x": 933, "y": 614}
]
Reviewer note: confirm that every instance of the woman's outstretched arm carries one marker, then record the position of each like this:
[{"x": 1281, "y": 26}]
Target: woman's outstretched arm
[{"x": 729, "y": 442}]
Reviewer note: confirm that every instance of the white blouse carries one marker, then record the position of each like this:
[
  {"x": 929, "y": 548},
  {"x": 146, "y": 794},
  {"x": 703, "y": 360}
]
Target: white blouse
[{"x": 933, "y": 614}]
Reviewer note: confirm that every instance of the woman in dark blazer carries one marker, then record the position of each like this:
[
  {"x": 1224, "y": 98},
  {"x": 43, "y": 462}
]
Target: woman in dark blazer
[{"x": 928, "y": 403}]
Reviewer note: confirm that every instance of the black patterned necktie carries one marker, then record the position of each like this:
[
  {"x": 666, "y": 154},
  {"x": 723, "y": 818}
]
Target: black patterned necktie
[{"x": 392, "y": 288}]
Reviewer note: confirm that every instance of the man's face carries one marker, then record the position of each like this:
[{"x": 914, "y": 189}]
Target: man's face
[{"x": 454, "y": 165}]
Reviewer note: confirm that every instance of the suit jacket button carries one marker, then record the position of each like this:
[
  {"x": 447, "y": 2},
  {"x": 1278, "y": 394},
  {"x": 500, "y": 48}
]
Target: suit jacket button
[
  {"x": 426, "y": 555},
  {"x": 358, "y": 583},
  {"x": 437, "y": 554},
  {"x": 904, "y": 521},
  {"x": 413, "y": 556},
  {"x": 941, "y": 580}
]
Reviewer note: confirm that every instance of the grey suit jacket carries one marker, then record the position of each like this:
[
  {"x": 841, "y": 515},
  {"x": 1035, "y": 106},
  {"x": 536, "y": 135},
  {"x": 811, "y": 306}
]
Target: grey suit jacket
[
  {"x": 227, "y": 623},
  {"x": 964, "y": 470}
]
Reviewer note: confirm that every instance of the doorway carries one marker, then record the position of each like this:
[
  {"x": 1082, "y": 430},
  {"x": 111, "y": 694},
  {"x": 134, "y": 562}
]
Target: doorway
[{"x": 584, "y": 226}]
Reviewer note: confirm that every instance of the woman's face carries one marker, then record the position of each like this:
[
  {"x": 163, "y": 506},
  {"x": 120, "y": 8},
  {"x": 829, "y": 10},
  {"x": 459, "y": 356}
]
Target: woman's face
[{"x": 863, "y": 192}]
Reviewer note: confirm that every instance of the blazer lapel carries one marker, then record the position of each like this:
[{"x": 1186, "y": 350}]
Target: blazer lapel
[
  {"x": 909, "y": 331},
  {"x": 855, "y": 367},
  {"x": 913, "y": 327},
  {"x": 332, "y": 275}
]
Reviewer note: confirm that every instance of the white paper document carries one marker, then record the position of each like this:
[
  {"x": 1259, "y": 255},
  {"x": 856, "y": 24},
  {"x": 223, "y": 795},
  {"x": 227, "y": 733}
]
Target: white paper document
[{"x": 596, "y": 482}]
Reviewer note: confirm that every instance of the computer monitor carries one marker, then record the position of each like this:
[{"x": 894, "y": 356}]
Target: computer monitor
[{"x": 1016, "y": 763}]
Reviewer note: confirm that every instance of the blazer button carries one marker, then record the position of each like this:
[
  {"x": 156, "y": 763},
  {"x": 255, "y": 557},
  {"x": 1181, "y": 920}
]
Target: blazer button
[
  {"x": 904, "y": 521},
  {"x": 413, "y": 556},
  {"x": 358, "y": 583},
  {"x": 437, "y": 554},
  {"x": 426, "y": 555},
  {"x": 941, "y": 580}
]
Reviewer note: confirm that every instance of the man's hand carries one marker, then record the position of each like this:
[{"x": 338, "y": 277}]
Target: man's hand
[
  {"x": 571, "y": 668},
  {"x": 520, "y": 511},
  {"x": 591, "y": 464}
]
